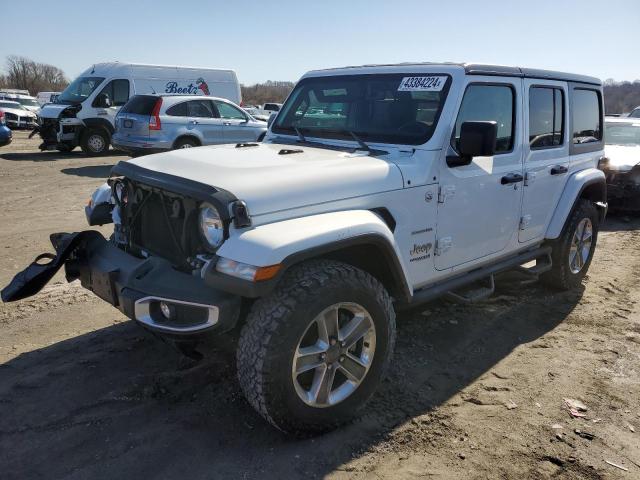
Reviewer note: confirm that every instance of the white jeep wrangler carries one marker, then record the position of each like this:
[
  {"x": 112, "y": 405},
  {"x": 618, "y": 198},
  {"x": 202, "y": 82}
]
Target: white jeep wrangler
[{"x": 377, "y": 188}]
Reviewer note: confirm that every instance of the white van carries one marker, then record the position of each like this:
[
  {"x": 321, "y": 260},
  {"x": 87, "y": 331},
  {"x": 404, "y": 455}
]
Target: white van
[{"x": 84, "y": 113}]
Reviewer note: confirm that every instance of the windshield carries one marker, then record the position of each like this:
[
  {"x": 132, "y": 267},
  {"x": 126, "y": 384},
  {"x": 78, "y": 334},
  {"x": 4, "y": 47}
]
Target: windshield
[
  {"x": 622, "y": 133},
  {"x": 385, "y": 108},
  {"x": 79, "y": 90},
  {"x": 29, "y": 102}
]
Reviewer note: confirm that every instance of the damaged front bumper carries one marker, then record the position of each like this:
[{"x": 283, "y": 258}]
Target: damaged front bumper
[
  {"x": 150, "y": 291},
  {"x": 623, "y": 190}
]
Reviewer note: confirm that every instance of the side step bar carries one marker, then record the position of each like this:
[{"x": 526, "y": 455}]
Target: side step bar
[{"x": 542, "y": 256}]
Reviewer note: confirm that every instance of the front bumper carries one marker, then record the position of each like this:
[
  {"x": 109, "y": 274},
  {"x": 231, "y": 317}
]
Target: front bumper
[{"x": 138, "y": 286}]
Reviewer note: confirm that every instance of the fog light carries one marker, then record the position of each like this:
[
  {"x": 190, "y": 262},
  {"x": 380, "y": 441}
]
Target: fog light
[{"x": 168, "y": 311}]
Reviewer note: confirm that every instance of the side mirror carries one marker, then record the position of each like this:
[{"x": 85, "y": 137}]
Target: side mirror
[
  {"x": 103, "y": 101},
  {"x": 477, "y": 139},
  {"x": 272, "y": 117}
]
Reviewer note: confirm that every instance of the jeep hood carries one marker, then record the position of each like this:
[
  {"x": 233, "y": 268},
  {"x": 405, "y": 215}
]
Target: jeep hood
[
  {"x": 622, "y": 158},
  {"x": 268, "y": 179}
]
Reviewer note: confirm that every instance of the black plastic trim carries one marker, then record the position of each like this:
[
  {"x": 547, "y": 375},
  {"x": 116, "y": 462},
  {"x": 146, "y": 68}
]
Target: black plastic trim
[
  {"x": 172, "y": 183},
  {"x": 245, "y": 288}
]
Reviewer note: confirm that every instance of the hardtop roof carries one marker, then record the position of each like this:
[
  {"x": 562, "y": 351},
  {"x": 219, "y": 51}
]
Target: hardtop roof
[{"x": 492, "y": 70}]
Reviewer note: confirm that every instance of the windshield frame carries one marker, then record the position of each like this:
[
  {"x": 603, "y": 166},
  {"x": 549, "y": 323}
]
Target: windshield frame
[
  {"x": 73, "y": 85},
  {"x": 344, "y": 134},
  {"x": 632, "y": 124}
]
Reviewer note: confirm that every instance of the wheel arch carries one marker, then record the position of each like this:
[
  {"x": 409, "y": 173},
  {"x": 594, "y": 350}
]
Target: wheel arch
[
  {"x": 99, "y": 123},
  {"x": 589, "y": 184},
  {"x": 188, "y": 136},
  {"x": 360, "y": 238}
]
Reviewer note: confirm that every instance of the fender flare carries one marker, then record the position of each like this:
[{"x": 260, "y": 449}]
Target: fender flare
[
  {"x": 290, "y": 242},
  {"x": 573, "y": 191}
]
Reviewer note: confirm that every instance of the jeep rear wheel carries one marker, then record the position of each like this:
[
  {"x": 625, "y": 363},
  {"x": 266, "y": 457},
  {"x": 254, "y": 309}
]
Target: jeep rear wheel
[
  {"x": 313, "y": 353},
  {"x": 573, "y": 250}
]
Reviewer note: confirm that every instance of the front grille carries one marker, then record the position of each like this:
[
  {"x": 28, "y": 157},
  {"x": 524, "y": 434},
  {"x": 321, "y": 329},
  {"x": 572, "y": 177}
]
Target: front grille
[
  {"x": 163, "y": 224},
  {"x": 11, "y": 116}
]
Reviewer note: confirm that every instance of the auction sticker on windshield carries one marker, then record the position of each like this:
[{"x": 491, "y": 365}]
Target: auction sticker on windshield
[{"x": 421, "y": 84}]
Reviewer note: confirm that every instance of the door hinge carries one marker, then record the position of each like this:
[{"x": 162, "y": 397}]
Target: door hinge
[
  {"x": 442, "y": 245},
  {"x": 525, "y": 221},
  {"x": 529, "y": 178},
  {"x": 446, "y": 191}
]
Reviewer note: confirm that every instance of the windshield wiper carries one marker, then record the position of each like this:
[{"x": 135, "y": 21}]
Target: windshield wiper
[
  {"x": 359, "y": 140},
  {"x": 300, "y": 135}
]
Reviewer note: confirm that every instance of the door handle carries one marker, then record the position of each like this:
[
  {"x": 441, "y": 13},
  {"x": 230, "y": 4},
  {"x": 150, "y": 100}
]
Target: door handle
[
  {"x": 511, "y": 178},
  {"x": 559, "y": 170},
  {"x": 194, "y": 122},
  {"x": 226, "y": 123}
]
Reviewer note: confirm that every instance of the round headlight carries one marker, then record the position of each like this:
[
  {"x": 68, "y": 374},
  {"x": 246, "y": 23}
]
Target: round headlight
[{"x": 211, "y": 225}]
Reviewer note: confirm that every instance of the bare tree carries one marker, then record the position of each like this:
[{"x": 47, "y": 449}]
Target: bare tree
[
  {"x": 26, "y": 74},
  {"x": 270, "y": 91}
]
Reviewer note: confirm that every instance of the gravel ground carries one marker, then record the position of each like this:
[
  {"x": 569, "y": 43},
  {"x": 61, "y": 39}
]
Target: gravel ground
[{"x": 473, "y": 392}]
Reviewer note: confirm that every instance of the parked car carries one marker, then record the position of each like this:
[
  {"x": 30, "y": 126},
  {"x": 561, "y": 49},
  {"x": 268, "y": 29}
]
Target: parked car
[
  {"x": 635, "y": 113},
  {"x": 5, "y": 132},
  {"x": 622, "y": 163},
  {"x": 150, "y": 124},
  {"x": 256, "y": 113},
  {"x": 27, "y": 101},
  {"x": 312, "y": 240},
  {"x": 47, "y": 97},
  {"x": 271, "y": 107},
  {"x": 17, "y": 116},
  {"x": 84, "y": 113}
]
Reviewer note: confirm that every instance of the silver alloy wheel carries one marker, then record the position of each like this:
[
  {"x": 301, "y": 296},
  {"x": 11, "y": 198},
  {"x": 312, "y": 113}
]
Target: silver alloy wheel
[
  {"x": 96, "y": 143},
  {"x": 186, "y": 145},
  {"x": 334, "y": 355},
  {"x": 580, "y": 245}
]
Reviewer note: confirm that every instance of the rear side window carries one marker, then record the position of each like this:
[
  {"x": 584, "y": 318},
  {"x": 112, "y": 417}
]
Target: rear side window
[
  {"x": 486, "y": 103},
  {"x": 546, "y": 117},
  {"x": 635, "y": 113},
  {"x": 140, "y": 105},
  {"x": 586, "y": 116},
  {"x": 200, "y": 109},
  {"x": 178, "y": 110}
]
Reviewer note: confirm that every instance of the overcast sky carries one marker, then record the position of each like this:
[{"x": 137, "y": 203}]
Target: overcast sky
[{"x": 280, "y": 40}]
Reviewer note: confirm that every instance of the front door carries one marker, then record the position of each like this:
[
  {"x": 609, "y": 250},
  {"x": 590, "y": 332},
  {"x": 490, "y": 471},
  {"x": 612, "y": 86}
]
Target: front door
[
  {"x": 479, "y": 203},
  {"x": 236, "y": 125},
  {"x": 546, "y": 154}
]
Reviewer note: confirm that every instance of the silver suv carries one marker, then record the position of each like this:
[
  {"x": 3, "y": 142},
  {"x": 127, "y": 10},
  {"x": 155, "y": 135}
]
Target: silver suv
[{"x": 151, "y": 123}]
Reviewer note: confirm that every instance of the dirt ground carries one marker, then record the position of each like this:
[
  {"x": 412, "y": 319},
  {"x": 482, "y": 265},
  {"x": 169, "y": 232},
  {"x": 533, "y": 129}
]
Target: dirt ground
[{"x": 473, "y": 392}]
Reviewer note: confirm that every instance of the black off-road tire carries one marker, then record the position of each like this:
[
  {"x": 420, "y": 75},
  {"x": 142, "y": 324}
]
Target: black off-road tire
[
  {"x": 560, "y": 276},
  {"x": 90, "y": 147},
  {"x": 274, "y": 327}
]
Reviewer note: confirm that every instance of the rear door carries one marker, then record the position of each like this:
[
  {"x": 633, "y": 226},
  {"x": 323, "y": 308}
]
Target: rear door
[
  {"x": 479, "y": 203},
  {"x": 237, "y": 128},
  {"x": 203, "y": 117},
  {"x": 546, "y": 154}
]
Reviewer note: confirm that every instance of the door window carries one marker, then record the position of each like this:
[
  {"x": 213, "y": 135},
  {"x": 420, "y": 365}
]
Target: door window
[
  {"x": 229, "y": 112},
  {"x": 178, "y": 110},
  {"x": 546, "y": 117},
  {"x": 487, "y": 103},
  {"x": 201, "y": 109},
  {"x": 117, "y": 91},
  {"x": 586, "y": 116}
]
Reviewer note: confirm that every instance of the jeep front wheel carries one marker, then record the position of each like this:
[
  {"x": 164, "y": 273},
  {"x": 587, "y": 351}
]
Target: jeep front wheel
[
  {"x": 573, "y": 250},
  {"x": 313, "y": 353}
]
